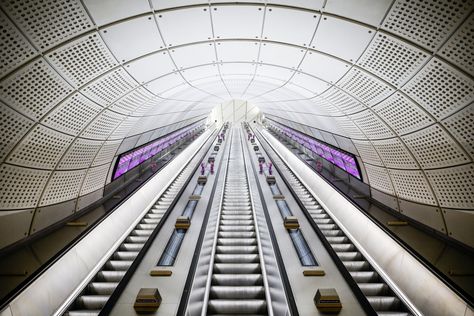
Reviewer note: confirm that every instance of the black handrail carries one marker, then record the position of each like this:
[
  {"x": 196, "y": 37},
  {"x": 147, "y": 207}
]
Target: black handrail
[{"x": 453, "y": 286}]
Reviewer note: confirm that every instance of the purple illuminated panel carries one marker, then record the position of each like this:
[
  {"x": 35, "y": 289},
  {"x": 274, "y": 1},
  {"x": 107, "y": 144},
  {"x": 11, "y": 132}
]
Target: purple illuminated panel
[
  {"x": 141, "y": 154},
  {"x": 337, "y": 157}
]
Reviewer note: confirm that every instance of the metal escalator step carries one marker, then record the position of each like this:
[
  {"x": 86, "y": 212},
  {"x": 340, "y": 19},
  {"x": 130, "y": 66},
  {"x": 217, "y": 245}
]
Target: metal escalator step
[
  {"x": 86, "y": 312},
  {"x": 237, "y": 292},
  {"x": 118, "y": 265},
  {"x": 110, "y": 276},
  {"x": 374, "y": 289},
  {"x": 343, "y": 247},
  {"x": 246, "y": 234},
  {"x": 92, "y": 301},
  {"x": 102, "y": 288},
  {"x": 237, "y": 268},
  {"x": 238, "y": 307},
  {"x": 356, "y": 265},
  {"x": 237, "y": 279},
  {"x": 237, "y": 241},
  {"x": 224, "y": 258},
  {"x": 384, "y": 303},
  {"x": 349, "y": 256},
  {"x": 131, "y": 246},
  {"x": 364, "y": 276}
]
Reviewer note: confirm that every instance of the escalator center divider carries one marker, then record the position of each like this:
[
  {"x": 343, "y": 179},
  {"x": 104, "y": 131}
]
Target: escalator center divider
[
  {"x": 284, "y": 276},
  {"x": 183, "y": 304},
  {"x": 106, "y": 310}
]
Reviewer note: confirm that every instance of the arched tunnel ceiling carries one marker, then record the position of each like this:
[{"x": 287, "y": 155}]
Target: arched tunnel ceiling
[{"x": 77, "y": 77}]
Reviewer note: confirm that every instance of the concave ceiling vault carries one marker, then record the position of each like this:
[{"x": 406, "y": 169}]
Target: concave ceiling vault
[{"x": 390, "y": 81}]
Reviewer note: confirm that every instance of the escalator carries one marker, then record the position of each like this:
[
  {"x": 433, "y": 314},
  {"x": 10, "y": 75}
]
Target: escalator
[
  {"x": 96, "y": 294},
  {"x": 378, "y": 293},
  {"x": 237, "y": 281}
]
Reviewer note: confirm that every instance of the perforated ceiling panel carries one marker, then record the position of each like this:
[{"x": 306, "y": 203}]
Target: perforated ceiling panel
[{"x": 392, "y": 80}]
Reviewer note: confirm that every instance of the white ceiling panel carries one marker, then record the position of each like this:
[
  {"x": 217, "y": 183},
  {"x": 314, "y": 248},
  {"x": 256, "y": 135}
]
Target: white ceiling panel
[
  {"x": 198, "y": 54},
  {"x": 324, "y": 67},
  {"x": 367, "y": 11},
  {"x": 341, "y": 38},
  {"x": 165, "y": 4},
  {"x": 199, "y": 72},
  {"x": 281, "y": 55},
  {"x": 309, "y": 4},
  {"x": 133, "y": 38},
  {"x": 151, "y": 67},
  {"x": 279, "y": 73},
  {"x": 289, "y": 25},
  {"x": 106, "y": 11},
  {"x": 302, "y": 91},
  {"x": 237, "y": 21},
  {"x": 310, "y": 83},
  {"x": 185, "y": 25},
  {"x": 237, "y": 51},
  {"x": 164, "y": 83},
  {"x": 237, "y": 69}
]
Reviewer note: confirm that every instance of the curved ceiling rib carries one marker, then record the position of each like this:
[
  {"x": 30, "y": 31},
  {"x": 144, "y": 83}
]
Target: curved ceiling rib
[{"x": 390, "y": 81}]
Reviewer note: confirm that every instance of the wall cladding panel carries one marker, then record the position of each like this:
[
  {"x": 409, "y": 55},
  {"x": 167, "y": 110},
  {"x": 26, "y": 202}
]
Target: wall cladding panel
[
  {"x": 80, "y": 154},
  {"x": 364, "y": 87},
  {"x": 83, "y": 59},
  {"x": 103, "y": 125},
  {"x": 434, "y": 148},
  {"x": 461, "y": 126},
  {"x": 440, "y": 89},
  {"x": 36, "y": 81},
  {"x": 426, "y": 22},
  {"x": 63, "y": 186},
  {"x": 13, "y": 126},
  {"x": 106, "y": 152},
  {"x": 72, "y": 115},
  {"x": 95, "y": 179},
  {"x": 402, "y": 115},
  {"x": 21, "y": 187},
  {"x": 41, "y": 148},
  {"x": 394, "y": 154},
  {"x": 110, "y": 87},
  {"x": 412, "y": 185},
  {"x": 392, "y": 59},
  {"x": 49, "y": 22},
  {"x": 342, "y": 100},
  {"x": 371, "y": 125},
  {"x": 367, "y": 152},
  {"x": 453, "y": 186},
  {"x": 459, "y": 49},
  {"x": 379, "y": 178},
  {"x": 14, "y": 48}
]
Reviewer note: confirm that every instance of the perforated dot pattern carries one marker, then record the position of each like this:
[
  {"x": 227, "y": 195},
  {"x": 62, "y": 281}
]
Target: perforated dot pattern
[
  {"x": 13, "y": 126},
  {"x": 344, "y": 102},
  {"x": 461, "y": 126},
  {"x": 83, "y": 59},
  {"x": 38, "y": 82},
  {"x": 402, "y": 115},
  {"x": 72, "y": 115},
  {"x": 63, "y": 186},
  {"x": 371, "y": 125},
  {"x": 364, "y": 87},
  {"x": 103, "y": 125},
  {"x": 95, "y": 179},
  {"x": 394, "y": 154},
  {"x": 14, "y": 48},
  {"x": 21, "y": 187},
  {"x": 80, "y": 154},
  {"x": 48, "y": 22},
  {"x": 132, "y": 101},
  {"x": 41, "y": 148},
  {"x": 426, "y": 22},
  {"x": 453, "y": 186},
  {"x": 379, "y": 178},
  {"x": 106, "y": 152},
  {"x": 391, "y": 59},
  {"x": 440, "y": 89},
  {"x": 367, "y": 152},
  {"x": 110, "y": 87},
  {"x": 412, "y": 185},
  {"x": 459, "y": 49},
  {"x": 124, "y": 128},
  {"x": 351, "y": 130},
  {"x": 434, "y": 148}
]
